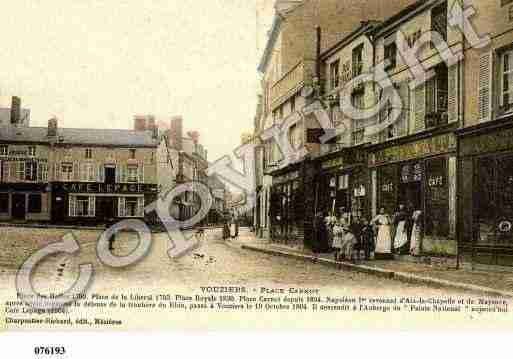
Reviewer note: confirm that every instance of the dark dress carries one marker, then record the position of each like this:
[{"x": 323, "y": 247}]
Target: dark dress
[
  {"x": 368, "y": 240},
  {"x": 321, "y": 244}
]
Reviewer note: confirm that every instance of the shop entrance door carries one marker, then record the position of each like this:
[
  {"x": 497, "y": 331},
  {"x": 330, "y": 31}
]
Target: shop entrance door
[
  {"x": 18, "y": 206},
  {"x": 105, "y": 208},
  {"x": 410, "y": 195}
]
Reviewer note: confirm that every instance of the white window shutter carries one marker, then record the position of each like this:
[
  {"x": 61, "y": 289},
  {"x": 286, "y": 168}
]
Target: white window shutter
[
  {"x": 141, "y": 173},
  {"x": 101, "y": 174},
  {"x": 92, "y": 206},
  {"x": 140, "y": 207},
  {"x": 452, "y": 97},
  {"x": 76, "y": 171},
  {"x": 72, "y": 206},
  {"x": 121, "y": 207},
  {"x": 56, "y": 171},
  {"x": 118, "y": 173},
  {"x": 5, "y": 171},
  {"x": 402, "y": 124},
  {"x": 419, "y": 108},
  {"x": 484, "y": 87}
]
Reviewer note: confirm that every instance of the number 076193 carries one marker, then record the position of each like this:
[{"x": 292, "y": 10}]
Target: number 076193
[{"x": 49, "y": 350}]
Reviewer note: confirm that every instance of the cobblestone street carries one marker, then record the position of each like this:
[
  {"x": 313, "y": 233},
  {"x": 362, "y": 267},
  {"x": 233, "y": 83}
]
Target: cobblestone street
[{"x": 215, "y": 262}]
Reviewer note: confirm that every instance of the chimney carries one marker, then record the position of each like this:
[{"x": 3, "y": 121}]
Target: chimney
[
  {"x": 152, "y": 126},
  {"x": 176, "y": 132},
  {"x": 139, "y": 123},
  {"x": 15, "y": 110},
  {"x": 52, "y": 127}
]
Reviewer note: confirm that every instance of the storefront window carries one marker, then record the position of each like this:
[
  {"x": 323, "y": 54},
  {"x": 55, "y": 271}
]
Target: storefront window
[
  {"x": 388, "y": 184},
  {"x": 437, "y": 199},
  {"x": 82, "y": 206},
  {"x": 4, "y": 202},
  {"x": 35, "y": 203}
]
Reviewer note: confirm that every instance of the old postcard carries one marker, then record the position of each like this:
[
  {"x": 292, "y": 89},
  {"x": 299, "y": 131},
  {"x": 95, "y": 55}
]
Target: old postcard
[{"x": 264, "y": 164}]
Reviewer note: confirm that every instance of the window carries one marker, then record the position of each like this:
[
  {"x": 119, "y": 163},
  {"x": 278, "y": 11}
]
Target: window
[
  {"x": 133, "y": 174},
  {"x": 507, "y": 81},
  {"x": 82, "y": 206},
  {"x": 391, "y": 55},
  {"x": 132, "y": 154},
  {"x": 4, "y": 202},
  {"x": 437, "y": 92},
  {"x": 88, "y": 153},
  {"x": 293, "y": 104},
  {"x": 4, "y": 150},
  {"x": 334, "y": 74},
  {"x": 358, "y": 60},
  {"x": 34, "y": 203},
  {"x": 32, "y": 151},
  {"x": 31, "y": 171},
  {"x": 357, "y": 99},
  {"x": 131, "y": 207},
  {"x": 21, "y": 170},
  {"x": 280, "y": 112},
  {"x": 67, "y": 172},
  {"x": 88, "y": 172},
  {"x": 358, "y": 136},
  {"x": 343, "y": 182},
  {"x": 43, "y": 172},
  {"x": 439, "y": 20}
]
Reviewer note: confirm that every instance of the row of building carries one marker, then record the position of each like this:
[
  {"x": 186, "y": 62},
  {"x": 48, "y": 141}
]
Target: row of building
[
  {"x": 91, "y": 176},
  {"x": 450, "y": 154}
]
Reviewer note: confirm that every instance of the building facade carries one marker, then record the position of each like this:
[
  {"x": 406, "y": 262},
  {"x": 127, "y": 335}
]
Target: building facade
[{"x": 485, "y": 146}]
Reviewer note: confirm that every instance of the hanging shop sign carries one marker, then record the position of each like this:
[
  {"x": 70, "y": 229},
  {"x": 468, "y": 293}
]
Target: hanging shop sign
[
  {"x": 423, "y": 148},
  {"x": 286, "y": 178},
  {"x": 336, "y": 162},
  {"x": 78, "y": 187},
  {"x": 490, "y": 142}
]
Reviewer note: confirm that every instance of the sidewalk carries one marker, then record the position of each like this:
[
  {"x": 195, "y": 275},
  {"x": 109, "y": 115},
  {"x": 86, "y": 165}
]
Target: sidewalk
[{"x": 480, "y": 282}]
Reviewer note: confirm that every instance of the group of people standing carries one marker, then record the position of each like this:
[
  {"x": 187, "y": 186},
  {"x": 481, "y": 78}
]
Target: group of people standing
[
  {"x": 360, "y": 239},
  {"x": 230, "y": 228}
]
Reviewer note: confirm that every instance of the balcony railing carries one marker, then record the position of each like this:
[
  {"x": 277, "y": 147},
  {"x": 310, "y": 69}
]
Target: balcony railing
[{"x": 288, "y": 84}]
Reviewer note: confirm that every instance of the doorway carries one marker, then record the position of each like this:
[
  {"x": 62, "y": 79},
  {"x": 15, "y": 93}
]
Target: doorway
[
  {"x": 19, "y": 206},
  {"x": 110, "y": 174},
  {"x": 106, "y": 208}
]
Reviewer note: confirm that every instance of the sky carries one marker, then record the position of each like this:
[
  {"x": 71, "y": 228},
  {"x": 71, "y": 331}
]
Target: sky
[{"x": 95, "y": 64}]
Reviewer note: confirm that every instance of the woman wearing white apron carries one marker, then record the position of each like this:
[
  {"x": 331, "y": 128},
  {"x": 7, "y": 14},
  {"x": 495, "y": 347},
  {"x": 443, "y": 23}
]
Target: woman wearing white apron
[
  {"x": 401, "y": 231},
  {"x": 384, "y": 240},
  {"x": 416, "y": 240}
]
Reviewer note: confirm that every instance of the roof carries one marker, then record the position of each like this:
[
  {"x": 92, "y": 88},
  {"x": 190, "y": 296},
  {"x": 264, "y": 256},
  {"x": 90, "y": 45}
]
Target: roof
[
  {"x": 364, "y": 28},
  {"x": 275, "y": 30},
  {"x": 79, "y": 136},
  {"x": 409, "y": 10}
]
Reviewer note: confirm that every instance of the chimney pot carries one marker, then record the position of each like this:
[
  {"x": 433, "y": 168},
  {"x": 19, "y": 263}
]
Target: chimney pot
[{"x": 53, "y": 125}]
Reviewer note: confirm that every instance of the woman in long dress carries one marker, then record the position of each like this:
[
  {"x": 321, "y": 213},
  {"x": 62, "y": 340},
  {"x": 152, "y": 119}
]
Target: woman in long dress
[
  {"x": 384, "y": 241},
  {"x": 401, "y": 231},
  {"x": 338, "y": 245},
  {"x": 233, "y": 228},
  {"x": 416, "y": 234}
]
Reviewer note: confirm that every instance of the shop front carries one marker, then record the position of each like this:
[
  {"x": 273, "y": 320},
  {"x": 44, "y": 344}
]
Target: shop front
[
  {"x": 342, "y": 184},
  {"x": 486, "y": 193},
  {"x": 418, "y": 176},
  {"x": 93, "y": 203},
  {"x": 287, "y": 206},
  {"x": 24, "y": 202}
]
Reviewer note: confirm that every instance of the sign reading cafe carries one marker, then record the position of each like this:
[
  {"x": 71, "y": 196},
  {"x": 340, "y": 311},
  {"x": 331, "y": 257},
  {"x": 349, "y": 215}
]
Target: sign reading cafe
[{"x": 77, "y": 187}]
